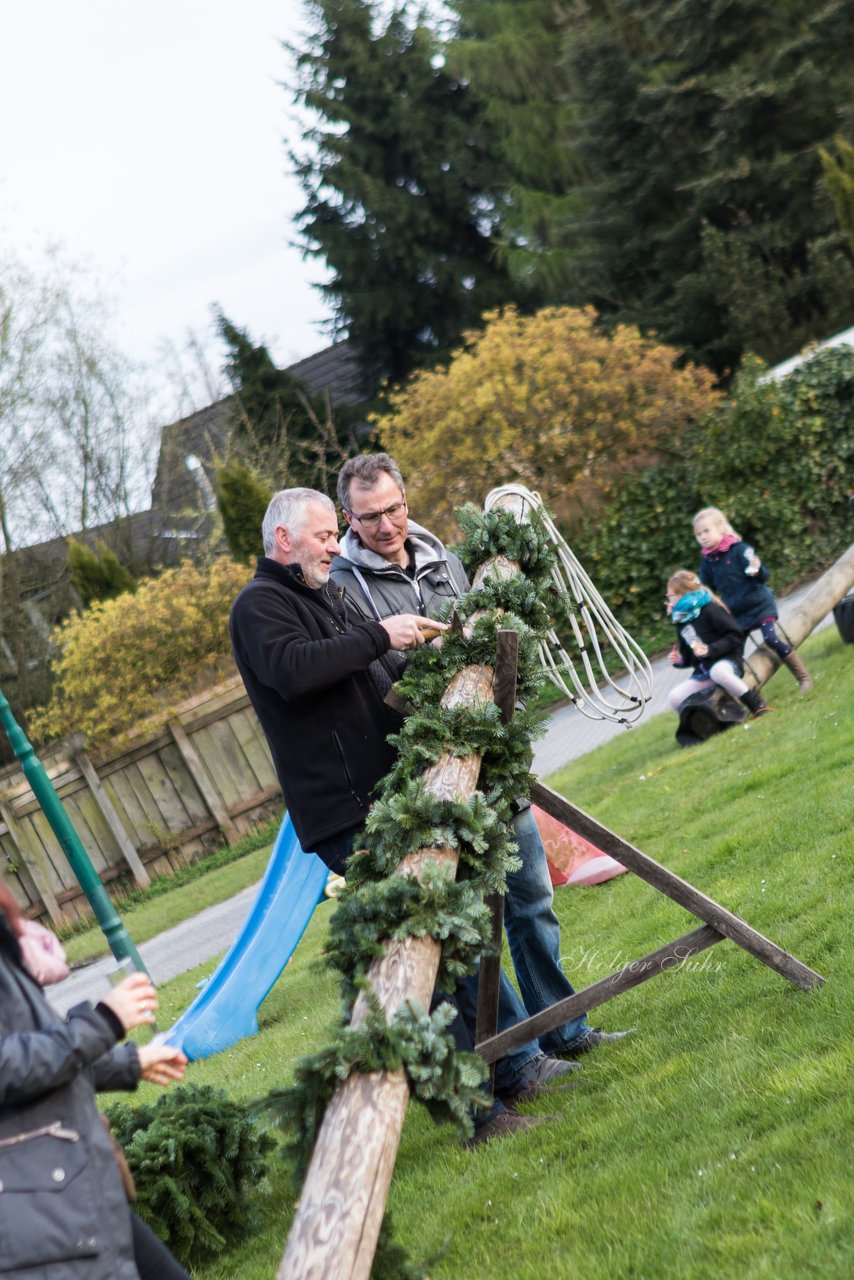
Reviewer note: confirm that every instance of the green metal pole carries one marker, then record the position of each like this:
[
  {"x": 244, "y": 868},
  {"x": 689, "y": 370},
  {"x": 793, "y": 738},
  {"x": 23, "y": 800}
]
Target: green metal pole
[{"x": 117, "y": 936}]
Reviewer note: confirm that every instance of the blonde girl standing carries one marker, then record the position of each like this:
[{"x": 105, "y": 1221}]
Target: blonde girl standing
[{"x": 732, "y": 569}]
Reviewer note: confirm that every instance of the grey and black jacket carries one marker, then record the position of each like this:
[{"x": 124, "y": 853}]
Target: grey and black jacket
[
  {"x": 63, "y": 1210},
  {"x": 381, "y": 590}
]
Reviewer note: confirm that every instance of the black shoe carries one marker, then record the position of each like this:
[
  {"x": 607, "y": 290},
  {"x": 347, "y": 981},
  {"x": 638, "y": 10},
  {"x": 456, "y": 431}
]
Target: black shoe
[
  {"x": 593, "y": 1037},
  {"x": 754, "y": 703},
  {"x": 505, "y": 1124}
]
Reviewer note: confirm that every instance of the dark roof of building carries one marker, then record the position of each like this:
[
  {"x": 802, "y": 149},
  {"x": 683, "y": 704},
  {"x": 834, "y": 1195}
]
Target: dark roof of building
[
  {"x": 179, "y": 488},
  {"x": 336, "y": 370},
  {"x": 203, "y": 435}
]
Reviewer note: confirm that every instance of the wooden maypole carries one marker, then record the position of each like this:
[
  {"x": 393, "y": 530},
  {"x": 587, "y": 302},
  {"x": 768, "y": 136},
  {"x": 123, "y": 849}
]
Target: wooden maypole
[{"x": 340, "y": 1211}]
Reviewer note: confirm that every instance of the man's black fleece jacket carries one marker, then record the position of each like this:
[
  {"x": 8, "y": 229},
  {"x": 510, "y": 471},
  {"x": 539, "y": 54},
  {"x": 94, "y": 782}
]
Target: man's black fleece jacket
[{"x": 305, "y": 667}]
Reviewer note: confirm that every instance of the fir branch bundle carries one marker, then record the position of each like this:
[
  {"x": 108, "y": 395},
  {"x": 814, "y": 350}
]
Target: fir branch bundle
[
  {"x": 198, "y": 1161},
  {"x": 489, "y": 534},
  {"x": 447, "y": 1082},
  {"x": 374, "y": 913}
]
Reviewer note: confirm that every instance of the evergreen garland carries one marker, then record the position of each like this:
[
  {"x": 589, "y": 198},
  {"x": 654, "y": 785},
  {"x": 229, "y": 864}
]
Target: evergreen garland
[
  {"x": 448, "y": 1083},
  {"x": 377, "y": 906},
  {"x": 497, "y": 533},
  {"x": 451, "y": 911}
]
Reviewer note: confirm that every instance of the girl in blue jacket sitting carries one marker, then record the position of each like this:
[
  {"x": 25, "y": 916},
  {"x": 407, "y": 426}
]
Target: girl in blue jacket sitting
[
  {"x": 731, "y": 568},
  {"x": 709, "y": 640}
]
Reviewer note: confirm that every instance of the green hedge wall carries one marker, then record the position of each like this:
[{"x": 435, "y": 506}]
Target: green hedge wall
[{"x": 778, "y": 458}]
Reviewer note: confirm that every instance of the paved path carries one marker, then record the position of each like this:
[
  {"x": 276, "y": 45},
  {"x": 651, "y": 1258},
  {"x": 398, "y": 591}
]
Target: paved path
[
  {"x": 172, "y": 952},
  {"x": 207, "y": 935}
]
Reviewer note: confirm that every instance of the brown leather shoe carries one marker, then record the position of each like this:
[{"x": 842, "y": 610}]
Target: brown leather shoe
[{"x": 505, "y": 1125}]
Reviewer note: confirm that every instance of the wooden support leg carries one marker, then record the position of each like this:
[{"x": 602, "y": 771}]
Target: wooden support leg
[
  {"x": 489, "y": 981},
  {"x": 630, "y": 975},
  {"x": 673, "y": 886}
]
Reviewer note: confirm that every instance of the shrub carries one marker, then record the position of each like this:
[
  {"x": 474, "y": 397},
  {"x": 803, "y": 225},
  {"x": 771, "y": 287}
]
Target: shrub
[
  {"x": 198, "y": 1164},
  {"x": 118, "y": 661},
  {"x": 632, "y": 545},
  {"x": 242, "y": 498},
  {"x": 551, "y": 400},
  {"x": 96, "y": 573}
]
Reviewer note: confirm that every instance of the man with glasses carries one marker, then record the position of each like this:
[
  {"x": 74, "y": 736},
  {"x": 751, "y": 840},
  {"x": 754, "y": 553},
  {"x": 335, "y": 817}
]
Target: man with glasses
[{"x": 390, "y": 565}]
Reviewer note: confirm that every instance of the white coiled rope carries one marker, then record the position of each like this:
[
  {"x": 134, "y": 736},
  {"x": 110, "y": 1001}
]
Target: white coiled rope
[{"x": 584, "y": 678}]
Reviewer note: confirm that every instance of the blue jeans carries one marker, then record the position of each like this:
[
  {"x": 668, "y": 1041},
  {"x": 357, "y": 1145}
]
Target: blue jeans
[
  {"x": 533, "y": 932},
  {"x": 512, "y": 1071}
]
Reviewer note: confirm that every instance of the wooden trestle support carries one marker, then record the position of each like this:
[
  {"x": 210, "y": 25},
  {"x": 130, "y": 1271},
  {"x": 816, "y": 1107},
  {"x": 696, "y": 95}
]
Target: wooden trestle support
[{"x": 340, "y": 1210}]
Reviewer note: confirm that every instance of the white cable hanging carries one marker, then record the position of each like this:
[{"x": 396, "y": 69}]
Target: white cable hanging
[{"x": 593, "y": 627}]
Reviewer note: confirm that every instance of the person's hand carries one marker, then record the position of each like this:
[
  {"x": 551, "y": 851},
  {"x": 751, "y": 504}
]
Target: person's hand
[
  {"x": 754, "y": 564},
  {"x": 700, "y": 649},
  {"x": 407, "y": 630},
  {"x": 133, "y": 1001},
  {"x": 161, "y": 1063},
  {"x": 675, "y": 655}
]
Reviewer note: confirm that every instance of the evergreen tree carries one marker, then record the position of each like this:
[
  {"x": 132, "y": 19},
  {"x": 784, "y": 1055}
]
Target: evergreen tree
[
  {"x": 700, "y": 121},
  {"x": 268, "y": 398},
  {"x": 839, "y": 178},
  {"x": 393, "y": 174},
  {"x": 287, "y": 436},
  {"x": 97, "y": 573},
  {"x": 242, "y": 499},
  {"x": 511, "y": 53}
]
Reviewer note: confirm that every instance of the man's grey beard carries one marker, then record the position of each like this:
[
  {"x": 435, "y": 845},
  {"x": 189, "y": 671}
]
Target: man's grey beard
[{"x": 315, "y": 578}]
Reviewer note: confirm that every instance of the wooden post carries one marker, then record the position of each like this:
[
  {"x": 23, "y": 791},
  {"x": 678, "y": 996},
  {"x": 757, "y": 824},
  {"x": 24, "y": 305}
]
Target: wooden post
[
  {"x": 200, "y": 776},
  {"x": 340, "y": 1211},
  {"x": 671, "y": 956},
  {"x": 105, "y": 804},
  {"x": 817, "y": 604},
  {"x": 31, "y": 869},
  {"x": 338, "y": 1217},
  {"x": 489, "y": 978}
]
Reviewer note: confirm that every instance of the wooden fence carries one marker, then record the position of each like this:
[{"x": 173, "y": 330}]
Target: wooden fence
[{"x": 145, "y": 811}]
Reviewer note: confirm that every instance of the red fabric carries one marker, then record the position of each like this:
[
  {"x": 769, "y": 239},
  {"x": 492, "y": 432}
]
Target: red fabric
[
  {"x": 727, "y": 541},
  {"x": 571, "y": 858}
]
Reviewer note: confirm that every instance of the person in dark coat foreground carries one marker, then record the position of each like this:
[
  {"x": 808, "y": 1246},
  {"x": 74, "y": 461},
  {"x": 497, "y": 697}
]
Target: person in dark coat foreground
[{"x": 64, "y": 1213}]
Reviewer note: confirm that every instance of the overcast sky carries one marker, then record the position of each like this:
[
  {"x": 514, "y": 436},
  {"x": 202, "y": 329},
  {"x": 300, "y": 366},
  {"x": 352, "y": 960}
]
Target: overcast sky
[{"x": 149, "y": 139}]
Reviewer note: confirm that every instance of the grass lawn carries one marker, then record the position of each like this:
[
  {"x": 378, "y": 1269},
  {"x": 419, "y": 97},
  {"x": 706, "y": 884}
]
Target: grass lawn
[{"x": 716, "y": 1141}]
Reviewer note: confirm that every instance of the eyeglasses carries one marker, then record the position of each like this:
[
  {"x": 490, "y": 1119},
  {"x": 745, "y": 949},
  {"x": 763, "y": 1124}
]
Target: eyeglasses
[{"x": 371, "y": 519}]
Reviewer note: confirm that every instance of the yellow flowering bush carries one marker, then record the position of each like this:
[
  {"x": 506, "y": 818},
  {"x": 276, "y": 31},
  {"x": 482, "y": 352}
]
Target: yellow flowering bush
[
  {"x": 551, "y": 400},
  {"x": 123, "y": 658}
]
